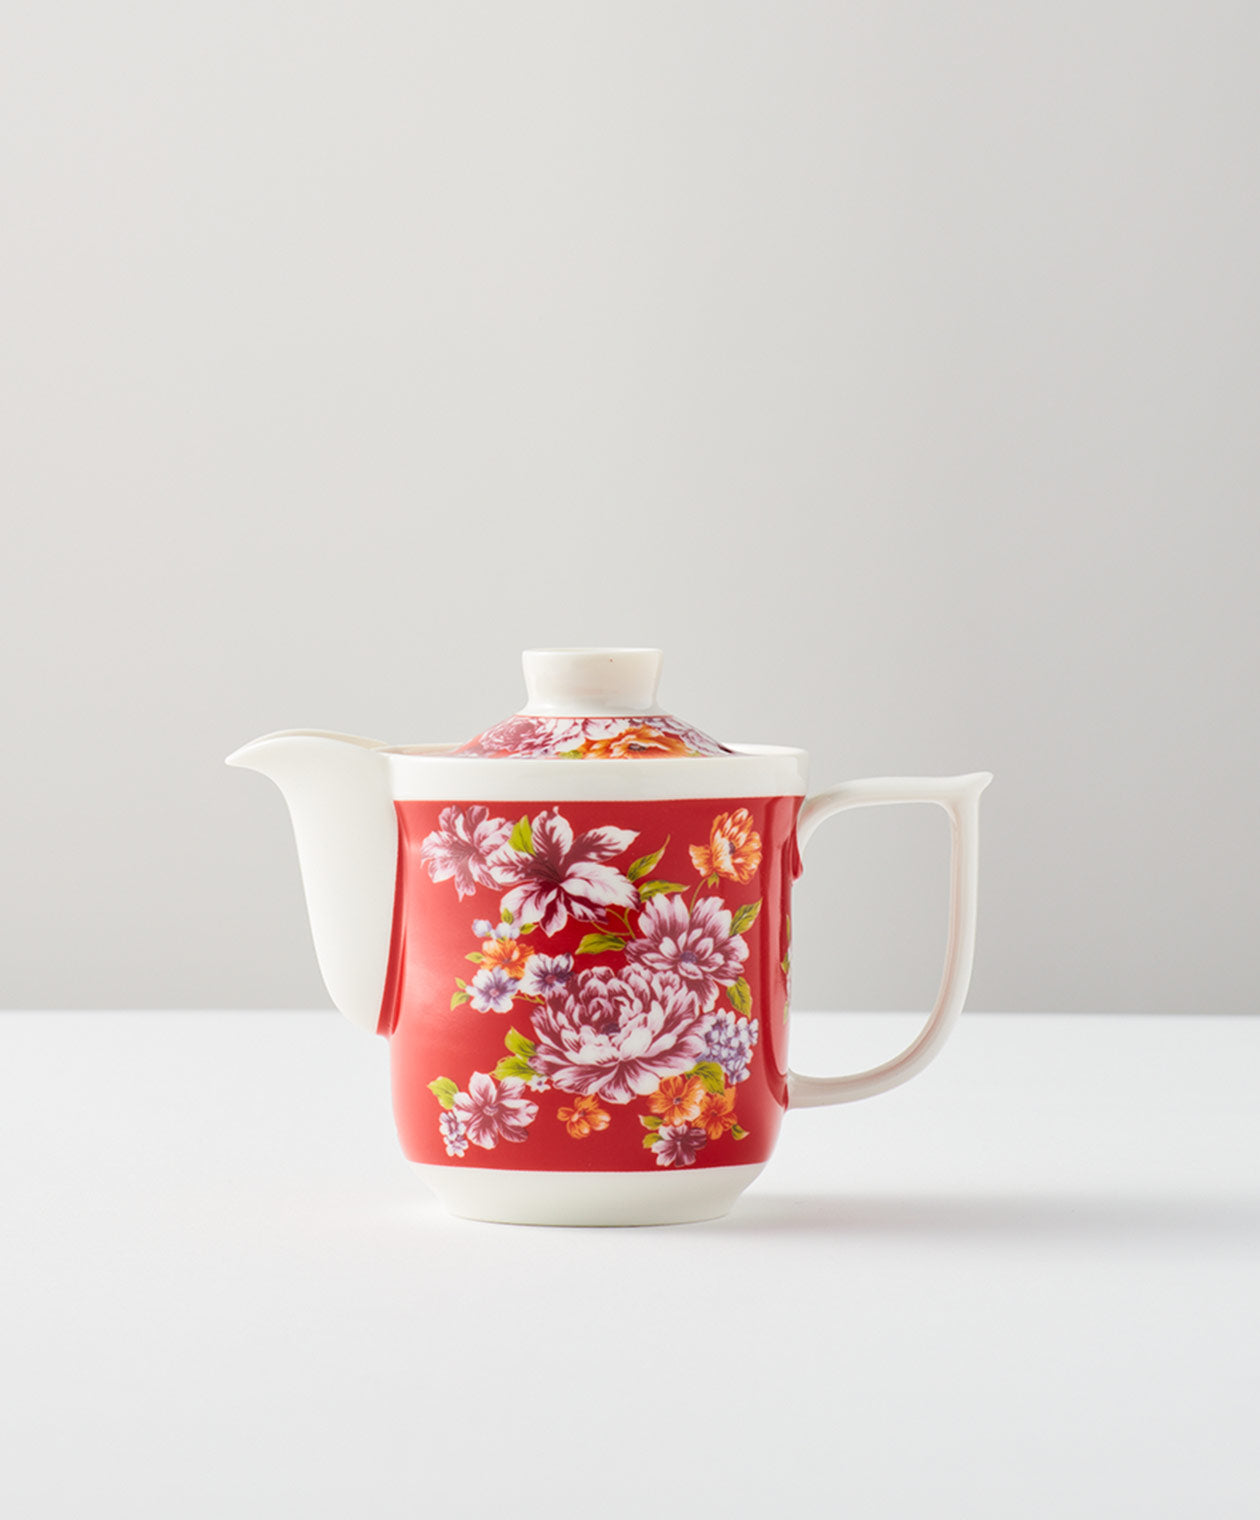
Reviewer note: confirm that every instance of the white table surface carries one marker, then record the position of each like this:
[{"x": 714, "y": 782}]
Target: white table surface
[{"x": 1027, "y": 1284}]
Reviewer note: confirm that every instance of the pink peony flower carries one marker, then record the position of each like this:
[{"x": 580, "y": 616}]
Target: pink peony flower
[
  {"x": 526, "y": 736},
  {"x": 491, "y": 1113},
  {"x": 696, "y": 945},
  {"x": 564, "y": 875},
  {"x": 616, "y": 1034},
  {"x": 677, "y": 1144},
  {"x": 461, "y": 846}
]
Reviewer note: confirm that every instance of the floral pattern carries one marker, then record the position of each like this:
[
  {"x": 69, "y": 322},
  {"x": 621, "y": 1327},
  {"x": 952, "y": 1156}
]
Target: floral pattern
[
  {"x": 454, "y": 1135},
  {"x": 652, "y": 736},
  {"x": 730, "y": 1043},
  {"x": 491, "y": 1111},
  {"x": 650, "y": 1012},
  {"x": 642, "y": 739},
  {"x": 617, "y": 1035},
  {"x": 509, "y": 955},
  {"x": 492, "y": 990},
  {"x": 584, "y": 1118},
  {"x": 677, "y": 1100},
  {"x": 677, "y": 1144},
  {"x": 733, "y": 850},
  {"x": 461, "y": 847},
  {"x": 695, "y": 944},
  {"x": 546, "y": 974},
  {"x": 551, "y": 874},
  {"x": 716, "y": 1113}
]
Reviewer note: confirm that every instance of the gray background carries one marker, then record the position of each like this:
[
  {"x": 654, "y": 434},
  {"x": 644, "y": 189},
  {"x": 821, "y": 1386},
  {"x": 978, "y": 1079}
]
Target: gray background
[{"x": 894, "y": 367}]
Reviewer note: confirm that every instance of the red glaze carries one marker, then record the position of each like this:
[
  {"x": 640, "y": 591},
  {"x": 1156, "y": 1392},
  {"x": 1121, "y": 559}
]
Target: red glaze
[{"x": 679, "y": 1069}]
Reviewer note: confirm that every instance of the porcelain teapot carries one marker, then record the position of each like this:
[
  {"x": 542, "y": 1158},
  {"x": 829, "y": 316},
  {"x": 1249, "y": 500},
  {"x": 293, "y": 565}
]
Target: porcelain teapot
[{"x": 575, "y": 932}]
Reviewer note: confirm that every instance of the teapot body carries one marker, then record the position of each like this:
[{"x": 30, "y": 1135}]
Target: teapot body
[{"x": 591, "y": 985}]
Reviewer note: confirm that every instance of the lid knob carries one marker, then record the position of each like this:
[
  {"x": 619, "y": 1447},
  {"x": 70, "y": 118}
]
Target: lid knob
[{"x": 591, "y": 683}]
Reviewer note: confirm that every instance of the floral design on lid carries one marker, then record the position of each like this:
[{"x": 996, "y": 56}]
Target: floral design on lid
[
  {"x": 592, "y": 704},
  {"x": 631, "y": 738}
]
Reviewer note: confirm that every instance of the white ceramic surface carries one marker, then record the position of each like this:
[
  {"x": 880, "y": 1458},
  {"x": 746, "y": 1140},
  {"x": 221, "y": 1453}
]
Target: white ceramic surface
[{"x": 1023, "y": 1289}]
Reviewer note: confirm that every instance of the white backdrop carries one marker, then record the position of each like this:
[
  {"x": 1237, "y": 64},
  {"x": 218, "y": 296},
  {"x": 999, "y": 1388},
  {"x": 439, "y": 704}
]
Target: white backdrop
[{"x": 895, "y": 367}]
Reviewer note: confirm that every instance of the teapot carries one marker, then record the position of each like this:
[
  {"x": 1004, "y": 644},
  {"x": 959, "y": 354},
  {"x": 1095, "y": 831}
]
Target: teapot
[{"x": 575, "y": 932}]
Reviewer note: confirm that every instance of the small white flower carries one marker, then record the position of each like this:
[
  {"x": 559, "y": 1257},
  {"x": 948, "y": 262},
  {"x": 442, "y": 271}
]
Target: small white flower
[
  {"x": 492, "y": 990},
  {"x": 545, "y": 973},
  {"x": 490, "y": 1113}
]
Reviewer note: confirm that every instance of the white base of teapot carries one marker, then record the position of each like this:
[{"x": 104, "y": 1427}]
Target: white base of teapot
[{"x": 588, "y": 1198}]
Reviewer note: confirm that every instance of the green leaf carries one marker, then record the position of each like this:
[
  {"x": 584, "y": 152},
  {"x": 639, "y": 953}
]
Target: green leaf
[
  {"x": 655, "y": 888},
  {"x": 745, "y": 917},
  {"x": 460, "y": 982},
  {"x": 522, "y": 838},
  {"x": 476, "y": 955},
  {"x": 506, "y": 916},
  {"x": 711, "y": 1074},
  {"x": 787, "y": 929},
  {"x": 444, "y": 1091},
  {"x": 738, "y": 1132},
  {"x": 646, "y": 863},
  {"x": 649, "y": 1140},
  {"x": 650, "y": 1121},
  {"x": 519, "y": 1045},
  {"x": 528, "y": 928},
  {"x": 459, "y": 997},
  {"x": 741, "y": 996},
  {"x": 513, "y": 1066},
  {"x": 594, "y": 944}
]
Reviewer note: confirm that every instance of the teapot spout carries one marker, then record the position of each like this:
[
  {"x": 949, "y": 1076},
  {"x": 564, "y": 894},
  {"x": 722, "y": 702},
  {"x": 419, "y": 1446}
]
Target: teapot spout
[{"x": 338, "y": 792}]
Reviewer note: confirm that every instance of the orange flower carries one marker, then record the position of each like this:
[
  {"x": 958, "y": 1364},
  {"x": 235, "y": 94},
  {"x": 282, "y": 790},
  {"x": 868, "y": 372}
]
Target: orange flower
[
  {"x": 585, "y": 1116},
  {"x": 677, "y": 1099},
  {"x": 508, "y": 953},
  {"x": 643, "y": 740},
  {"x": 716, "y": 1114},
  {"x": 733, "y": 850}
]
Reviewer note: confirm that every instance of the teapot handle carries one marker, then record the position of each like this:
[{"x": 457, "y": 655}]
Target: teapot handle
[{"x": 960, "y": 797}]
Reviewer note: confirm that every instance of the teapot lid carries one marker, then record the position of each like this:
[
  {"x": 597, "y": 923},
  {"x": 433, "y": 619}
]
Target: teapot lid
[{"x": 591, "y": 704}]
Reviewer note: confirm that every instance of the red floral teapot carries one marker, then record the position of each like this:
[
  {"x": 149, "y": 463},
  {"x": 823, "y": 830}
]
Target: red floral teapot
[{"x": 575, "y": 932}]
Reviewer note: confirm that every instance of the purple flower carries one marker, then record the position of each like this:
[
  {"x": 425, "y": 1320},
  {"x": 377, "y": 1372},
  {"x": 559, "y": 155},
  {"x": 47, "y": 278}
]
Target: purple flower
[
  {"x": 564, "y": 875},
  {"x": 677, "y": 1144},
  {"x": 490, "y": 1112},
  {"x": 492, "y": 990},
  {"x": 461, "y": 846},
  {"x": 617, "y": 1034},
  {"x": 730, "y": 1043},
  {"x": 697, "y": 946},
  {"x": 545, "y": 974},
  {"x": 454, "y": 1135},
  {"x": 482, "y": 928}
]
